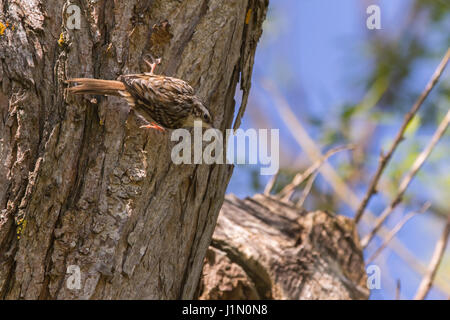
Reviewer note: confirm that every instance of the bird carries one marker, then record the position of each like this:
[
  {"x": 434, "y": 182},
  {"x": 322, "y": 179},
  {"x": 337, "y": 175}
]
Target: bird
[{"x": 170, "y": 102}]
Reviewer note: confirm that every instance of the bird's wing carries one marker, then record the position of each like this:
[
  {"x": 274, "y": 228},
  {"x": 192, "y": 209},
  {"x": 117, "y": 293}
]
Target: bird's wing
[
  {"x": 154, "y": 89},
  {"x": 166, "y": 97}
]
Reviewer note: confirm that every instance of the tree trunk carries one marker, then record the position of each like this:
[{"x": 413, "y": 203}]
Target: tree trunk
[
  {"x": 80, "y": 185},
  {"x": 263, "y": 248}
]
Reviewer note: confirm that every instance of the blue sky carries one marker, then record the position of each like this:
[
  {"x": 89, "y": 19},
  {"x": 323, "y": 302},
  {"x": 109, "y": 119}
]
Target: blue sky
[{"x": 315, "y": 51}]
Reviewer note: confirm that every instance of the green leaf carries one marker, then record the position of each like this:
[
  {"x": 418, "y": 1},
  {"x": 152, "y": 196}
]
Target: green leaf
[{"x": 412, "y": 127}]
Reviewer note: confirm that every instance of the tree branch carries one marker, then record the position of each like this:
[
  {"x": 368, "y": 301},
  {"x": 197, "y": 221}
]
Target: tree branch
[
  {"x": 395, "y": 230},
  {"x": 384, "y": 159},
  {"x": 307, "y": 190},
  {"x": 439, "y": 250},
  {"x": 271, "y": 184},
  {"x": 287, "y": 191},
  {"x": 344, "y": 192},
  {"x": 408, "y": 178}
]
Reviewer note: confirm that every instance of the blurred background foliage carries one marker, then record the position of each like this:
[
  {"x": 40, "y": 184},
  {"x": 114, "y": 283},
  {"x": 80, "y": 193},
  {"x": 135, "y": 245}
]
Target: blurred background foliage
[{"x": 348, "y": 84}]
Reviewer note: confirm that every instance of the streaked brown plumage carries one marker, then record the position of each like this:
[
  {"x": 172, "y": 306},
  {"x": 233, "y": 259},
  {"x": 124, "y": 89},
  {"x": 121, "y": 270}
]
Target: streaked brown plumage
[{"x": 170, "y": 102}]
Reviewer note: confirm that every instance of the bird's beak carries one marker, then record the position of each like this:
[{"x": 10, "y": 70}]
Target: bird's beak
[{"x": 207, "y": 125}]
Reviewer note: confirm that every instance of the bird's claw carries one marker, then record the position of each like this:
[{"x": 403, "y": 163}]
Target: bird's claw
[
  {"x": 153, "y": 64},
  {"x": 153, "y": 126}
]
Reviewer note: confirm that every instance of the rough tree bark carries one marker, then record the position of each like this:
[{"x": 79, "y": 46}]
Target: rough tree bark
[
  {"x": 80, "y": 184},
  {"x": 264, "y": 248}
]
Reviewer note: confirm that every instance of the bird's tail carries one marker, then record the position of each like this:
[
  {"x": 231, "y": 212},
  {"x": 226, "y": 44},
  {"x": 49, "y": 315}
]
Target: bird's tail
[{"x": 96, "y": 86}]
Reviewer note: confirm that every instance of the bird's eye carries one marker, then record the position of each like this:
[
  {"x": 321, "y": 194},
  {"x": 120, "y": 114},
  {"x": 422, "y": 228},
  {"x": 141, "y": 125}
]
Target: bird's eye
[{"x": 205, "y": 116}]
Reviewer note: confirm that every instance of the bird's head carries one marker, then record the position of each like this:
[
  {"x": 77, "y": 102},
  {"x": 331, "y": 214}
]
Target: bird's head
[{"x": 200, "y": 113}]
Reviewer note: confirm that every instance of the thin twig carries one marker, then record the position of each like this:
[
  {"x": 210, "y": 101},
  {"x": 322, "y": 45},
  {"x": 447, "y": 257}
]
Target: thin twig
[
  {"x": 408, "y": 178},
  {"x": 395, "y": 230},
  {"x": 339, "y": 186},
  {"x": 384, "y": 159},
  {"x": 271, "y": 184},
  {"x": 288, "y": 190},
  {"x": 307, "y": 190},
  {"x": 436, "y": 259},
  {"x": 398, "y": 290}
]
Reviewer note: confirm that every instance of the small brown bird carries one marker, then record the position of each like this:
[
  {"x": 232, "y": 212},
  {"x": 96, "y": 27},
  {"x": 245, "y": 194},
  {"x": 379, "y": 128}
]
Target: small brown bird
[{"x": 170, "y": 102}]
